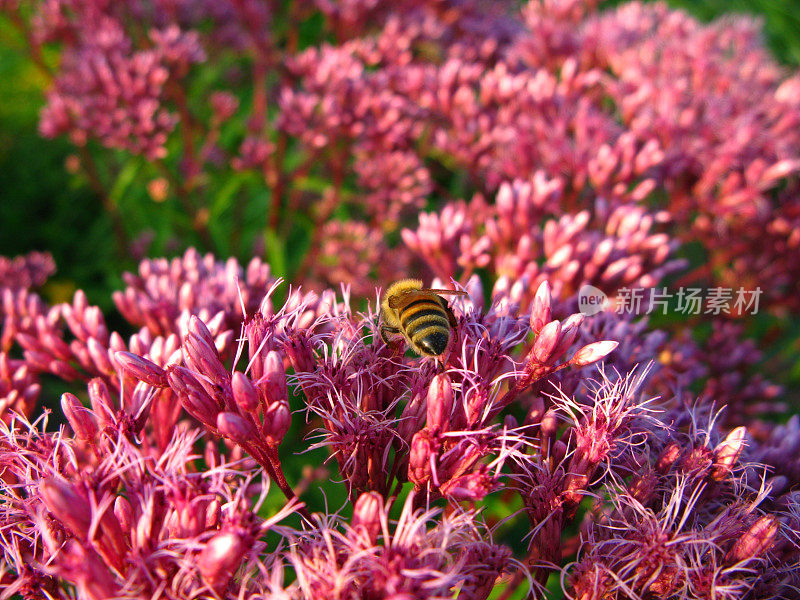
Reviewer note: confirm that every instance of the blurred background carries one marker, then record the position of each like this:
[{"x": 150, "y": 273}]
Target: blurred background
[{"x": 95, "y": 230}]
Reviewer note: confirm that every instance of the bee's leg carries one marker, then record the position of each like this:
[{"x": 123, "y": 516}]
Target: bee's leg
[
  {"x": 453, "y": 324},
  {"x": 445, "y": 358},
  {"x": 385, "y": 329},
  {"x": 450, "y": 316}
]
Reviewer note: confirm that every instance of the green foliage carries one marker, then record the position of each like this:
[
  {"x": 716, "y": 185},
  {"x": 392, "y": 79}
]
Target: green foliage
[{"x": 41, "y": 206}]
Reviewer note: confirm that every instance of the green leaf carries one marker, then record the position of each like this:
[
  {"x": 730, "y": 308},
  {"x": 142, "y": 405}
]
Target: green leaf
[
  {"x": 122, "y": 183},
  {"x": 223, "y": 199},
  {"x": 276, "y": 252}
]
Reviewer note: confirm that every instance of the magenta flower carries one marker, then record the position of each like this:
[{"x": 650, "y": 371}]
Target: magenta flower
[
  {"x": 195, "y": 284},
  {"x": 29, "y": 270},
  {"x": 417, "y": 556},
  {"x": 126, "y": 500},
  {"x": 251, "y": 441}
]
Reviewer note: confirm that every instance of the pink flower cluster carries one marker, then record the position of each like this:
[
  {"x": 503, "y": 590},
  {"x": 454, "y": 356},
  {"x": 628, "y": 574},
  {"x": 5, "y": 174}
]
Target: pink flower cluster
[
  {"x": 610, "y": 249},
  {"x": 19, "y": 387},
  {"x": 726, "y": 116},
  {"x": 29, "y": 270},
  {"x": 73, "y": 342},
  {"x": 160, "y": 481},
  {"x": 550, "y": 149},
  {"x": 19, "y": 384},
  {"x": 109, "y": 89},
  {"x": 602, "y": 115},
  {"x": 165, "y": 292}
]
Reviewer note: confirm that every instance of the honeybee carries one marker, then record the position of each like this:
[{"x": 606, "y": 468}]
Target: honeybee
[{"x": 420, "y": 315}]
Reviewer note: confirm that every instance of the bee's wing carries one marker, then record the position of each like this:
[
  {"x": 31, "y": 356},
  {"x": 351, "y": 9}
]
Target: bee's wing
[
  {"x": 397, "y": 300},
  {"x": 402, "y": 298},
  {"x": 446, "y": 292}
]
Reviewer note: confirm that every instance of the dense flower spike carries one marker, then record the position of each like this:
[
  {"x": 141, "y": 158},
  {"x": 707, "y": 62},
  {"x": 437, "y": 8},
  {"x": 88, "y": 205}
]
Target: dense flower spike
[
  {"x": 19, "y": 388},
  {"x": 416, "y": 557},
  {"x": 30, "y": 270},
  {"x": 120, "y": 503},
  {"x": 164, "y": 290},
  {"x": 109, "y": 90}
]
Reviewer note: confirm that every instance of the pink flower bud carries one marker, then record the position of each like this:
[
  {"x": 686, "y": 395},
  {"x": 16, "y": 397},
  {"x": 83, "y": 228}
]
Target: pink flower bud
[
  {"x": 244, "y": 393},
  {"x": 201, "y": 407},
  {"x": 643, "y": 486},
  {"x": 214, "y": 324},
  {"x": 54, "y": 345},
  {"x": 440, "y": 403},
  {"x": 474, "y": 288},
  {"x": 182, "y": 380},
  {"x": 99, "y": 355},
  {"x": 548, "y": 428},
  {"x": 592, "y": 353},
  {"x": 235, "y": 427},
  {"x": 211, "y": 454},
  {"x": 223, "y": 341},
  {"x": 142, "y": 369},
  {"x": 575, "y": 485},
  {"x": 367, "y": 515},
  {"x": 85, "y": 568},
  {"x": 423, "y": 446},
  {"x": 213, "y": 514},
  {"x": 668, "y": 456},
  {"x": 62, "y": 369},
  {"x": 541, "y": 309},
  {"x": 123, "y": 512},
  {"x": 115, "y": 341},
  {"x": 472, "y": 486},
  {"x": 569, "y": 331},
  {"x": 558, "y": 452},
  {"x": 277, "y": 420},
  {"x": 80, "y": 419},
  {"x": 756, "y": 541},
  {"x": 204, "y": 358},
  {"x": 545, "y": 343},
  {"x": 275, "y": 378},
  {"x": 101, "y": 401},
  {"x": 412, "y": 417},
  {"x": 220, "y": 558},
  {"x": 184, "y": 383},
  {"x": 727, "y": 453},
  {"x": 67, "y": 505},
  {"x": 199, "y": 329},
  {"x": 535, "y": 412},
  {"x": 518, "y": 290},
  {"x": 501, "y": 287}
]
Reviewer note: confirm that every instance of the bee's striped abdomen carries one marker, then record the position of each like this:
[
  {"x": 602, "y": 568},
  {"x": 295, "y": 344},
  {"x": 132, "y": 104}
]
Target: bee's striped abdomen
[
  {"x": 425, "y": 323},
  {"x": 420, "y": 314}
]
